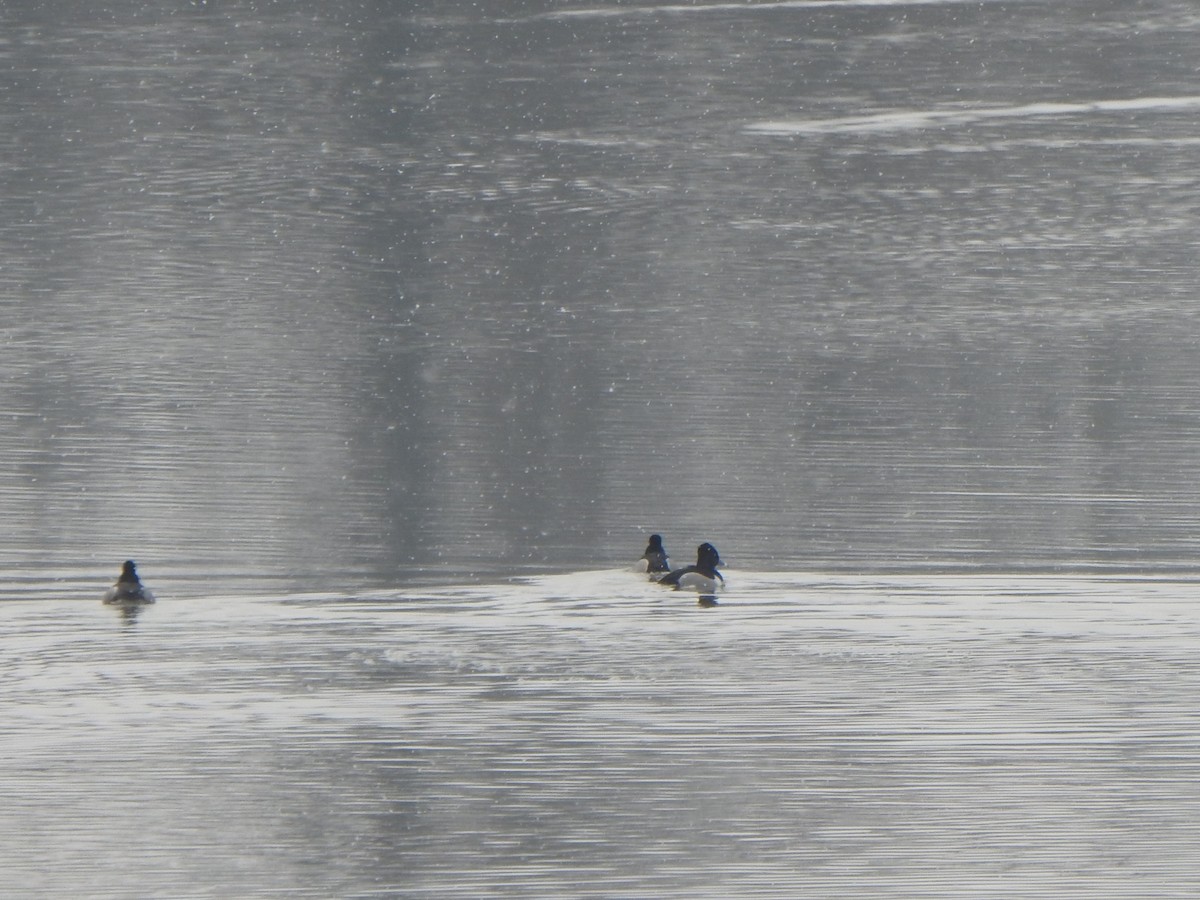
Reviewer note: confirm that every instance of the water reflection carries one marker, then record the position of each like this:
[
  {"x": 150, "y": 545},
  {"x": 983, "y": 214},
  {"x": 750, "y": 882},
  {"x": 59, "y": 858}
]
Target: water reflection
[
  {"x": 128, "y": 610},
  {"x": 313, "y": 298}
]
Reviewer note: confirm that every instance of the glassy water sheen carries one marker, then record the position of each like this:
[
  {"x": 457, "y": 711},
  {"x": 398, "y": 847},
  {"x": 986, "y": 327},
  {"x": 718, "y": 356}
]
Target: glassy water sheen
[
  {"x": 591, "y": 734},
  {"x": 381, "y": 334}
]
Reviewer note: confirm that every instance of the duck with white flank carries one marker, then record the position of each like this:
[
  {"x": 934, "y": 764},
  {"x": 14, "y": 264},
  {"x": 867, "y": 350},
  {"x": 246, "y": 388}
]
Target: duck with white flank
[
  {"x": 654, "y": 560},
  {"x": 129, "y": 589},
  {"x": 702, "y": 577}
]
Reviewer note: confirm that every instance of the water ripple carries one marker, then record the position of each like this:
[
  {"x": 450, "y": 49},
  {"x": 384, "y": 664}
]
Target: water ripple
[{"x": 594, "y": 734}]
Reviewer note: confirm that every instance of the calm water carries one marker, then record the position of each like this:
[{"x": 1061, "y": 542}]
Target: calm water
[
  {"x": 302, "y": 305},
  {"x": 305, "y": 296},
  {"x": 593, "y": 735}
]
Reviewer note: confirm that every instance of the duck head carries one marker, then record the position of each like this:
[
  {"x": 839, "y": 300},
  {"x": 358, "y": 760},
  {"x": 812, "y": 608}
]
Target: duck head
[
  {"x": 707, "y": 557},
  {"x": 128, "y": 572}
]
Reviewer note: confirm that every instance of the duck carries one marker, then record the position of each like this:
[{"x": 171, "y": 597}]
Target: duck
[
  {"x": 702, "y": 577},
  {"x": 654, "y": 560},
  {"x": 129, "y": 588}
]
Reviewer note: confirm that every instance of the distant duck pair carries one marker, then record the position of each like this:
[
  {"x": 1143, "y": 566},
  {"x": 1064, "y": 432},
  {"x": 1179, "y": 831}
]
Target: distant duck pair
[
  {"x": 129, "y": 590},
  {"x": 703, "y": 576}
]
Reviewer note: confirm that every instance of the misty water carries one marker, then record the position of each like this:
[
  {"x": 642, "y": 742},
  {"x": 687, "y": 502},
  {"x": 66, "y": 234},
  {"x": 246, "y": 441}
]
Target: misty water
[{"x": 381, "y": 335}]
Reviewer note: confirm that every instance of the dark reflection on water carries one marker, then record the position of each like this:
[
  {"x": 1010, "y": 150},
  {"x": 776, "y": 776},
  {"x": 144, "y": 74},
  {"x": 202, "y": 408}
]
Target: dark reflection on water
[
  {"x": 320, "y": 296},
  {"x": 128, "y": 612}
]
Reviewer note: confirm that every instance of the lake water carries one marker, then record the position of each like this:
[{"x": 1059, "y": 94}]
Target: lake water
[
  {"x": 591, "y": 734},
  {"x": 381, "y": 335}
]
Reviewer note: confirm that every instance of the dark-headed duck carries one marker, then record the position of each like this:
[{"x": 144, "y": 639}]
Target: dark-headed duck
[
  {"x": 655, "y": 558},
  {"x": 702, "y": 577},
  {"x": 129, "y": 588}
]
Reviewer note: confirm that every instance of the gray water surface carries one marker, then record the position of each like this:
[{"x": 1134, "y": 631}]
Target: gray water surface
[
  {"x": 381, "y": 335},
  {"x": 308, "y": 296},
  {"x": 590, "y": 734}
]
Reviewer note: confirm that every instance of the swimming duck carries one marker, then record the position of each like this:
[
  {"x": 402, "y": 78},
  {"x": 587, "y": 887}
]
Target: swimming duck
[
  {"x": 655, "y": 557},
  {"x": 129, "y": 588},
  {"x": 702, "y": 577}
]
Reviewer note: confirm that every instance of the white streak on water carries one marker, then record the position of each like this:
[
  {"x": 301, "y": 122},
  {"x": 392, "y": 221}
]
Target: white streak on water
[
  {"x": 950, "y": 117},
  {"x": 691, "y": 8},
  {"x": 594, "y": 735}
]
